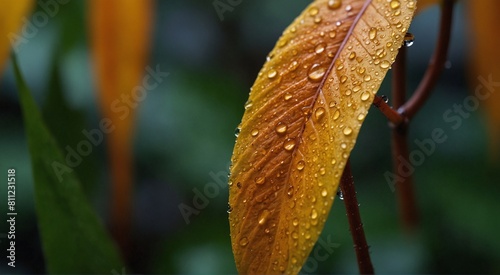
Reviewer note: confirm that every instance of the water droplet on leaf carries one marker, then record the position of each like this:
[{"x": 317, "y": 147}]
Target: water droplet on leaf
[
  {"x": 243, "y": 241},
  {"x": 316, "y": 72},
  {"x": 289, "y": 144},
  {"x": 272, "y": 74},
  {"x": 263, "y": 216},
  {"x": 281, "y": 128},
  {"x": 334, "y": 4}
]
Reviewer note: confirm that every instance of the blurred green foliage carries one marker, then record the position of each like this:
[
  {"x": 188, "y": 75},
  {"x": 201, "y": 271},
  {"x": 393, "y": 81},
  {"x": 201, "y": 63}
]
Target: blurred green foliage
[{"x": 185, "y": 132}]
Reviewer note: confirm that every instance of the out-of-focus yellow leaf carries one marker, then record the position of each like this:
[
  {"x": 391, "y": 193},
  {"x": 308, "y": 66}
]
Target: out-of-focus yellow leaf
[
  {"x": 120, "y": 33},
  {"x": 301, "y": 122},
  {"x": 11, "y": 15},
  {"x": 486, "y": 61}
]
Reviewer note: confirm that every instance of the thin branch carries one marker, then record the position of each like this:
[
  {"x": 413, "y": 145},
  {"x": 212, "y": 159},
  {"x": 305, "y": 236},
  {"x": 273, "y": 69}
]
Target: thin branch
[
  {"x": 405, "y": 189},
  {"x": 392, "y": 115},
  {"x": 355, "y": 224},
  {"x": 436, "y": 64},
  {"x": 399, "y": 79}
]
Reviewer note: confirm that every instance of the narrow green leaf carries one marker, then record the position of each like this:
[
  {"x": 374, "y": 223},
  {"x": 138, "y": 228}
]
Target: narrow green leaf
[
  {"x": 73, "y": 238},
  {"x": 67, "y": 126}
]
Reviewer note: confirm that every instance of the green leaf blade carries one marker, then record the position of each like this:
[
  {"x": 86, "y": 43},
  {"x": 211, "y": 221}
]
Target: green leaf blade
[{"x": 73, "y": 238}]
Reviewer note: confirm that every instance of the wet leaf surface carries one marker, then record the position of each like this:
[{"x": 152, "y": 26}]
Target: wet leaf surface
[{"x": 301, "y": 122}]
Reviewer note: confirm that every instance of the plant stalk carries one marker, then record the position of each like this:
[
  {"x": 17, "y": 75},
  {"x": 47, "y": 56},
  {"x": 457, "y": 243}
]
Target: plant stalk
[{"x": 355, "y": 225}]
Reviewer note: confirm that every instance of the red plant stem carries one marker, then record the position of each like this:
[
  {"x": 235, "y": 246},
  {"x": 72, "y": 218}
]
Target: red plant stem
[
  {"x": 355, "y": 225},
  {"x": 392, "y": 115},
  {"x": 436, "y": 64},
  {"x": 404, "y": 186}
]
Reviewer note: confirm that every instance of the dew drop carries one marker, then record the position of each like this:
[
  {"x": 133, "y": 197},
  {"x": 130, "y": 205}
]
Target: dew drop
[
  {"x": 295, "y": 235},
  {"x": 260, "y": 180},
  {"x": 322, "y": 171},
  {"x": 300, "y": 165},
  {"x": 385, "y": 98},
  {"x": 272, "y": 74},
  {"x": 361, "y": 117},
  {"x": 320, "y": 48},
  {"x": 343, "y": 79},
  {"x": 293, "y": 66},
  {"x": 334, "y": 4},
  {"x": 340, "y": 195},
  {"x": 408, "y": 40},
  {"x": 295, "y": 222},
  {"x": 343, "y": 145},
  {"x": 290, "y": 191},
  {"x": 313, "y": 11},
  {"x": 324, "y": 193},
  {"x": 347, "y": 131},
  {"x": 287, "y": 96},
  {"x": 356, "y": 88},
  {"x": 372, "y": 33},
  {"x": 385, "y": 64},
  {"x": 263, "y": 217},
  {"x": 319, "y": 114},
  {"x": 281, "y": 128},
  {"x": 255, "y": 132},
  {"x": 336, "y": 114},
  {"x": 365, "y": 96},
  {"x": 237, "y": 131},
  {"x": 352, "y": 55},
  {"x": 338, "y": 23},
  {"x": 316, "y": 72},
  {"x": 332, "y": 34},
  {"x": 395, "y": 4},
  {"x": 282, "y": 43},
  {"x": 229, "y": 208},
  {"x": 367, "y": 78},
  {"x": 248, "y": 104},
  {"x": 314, "y": 214},
  {"x": 348, "y": 8},
  {"x": 289, "y": 144},
  {"x": 307, "y": 235},
  {"x": 243, "y": 241}
]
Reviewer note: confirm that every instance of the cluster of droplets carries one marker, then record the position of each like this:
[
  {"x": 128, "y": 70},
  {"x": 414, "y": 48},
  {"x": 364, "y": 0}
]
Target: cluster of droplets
[{"x": 316, "y": 73}]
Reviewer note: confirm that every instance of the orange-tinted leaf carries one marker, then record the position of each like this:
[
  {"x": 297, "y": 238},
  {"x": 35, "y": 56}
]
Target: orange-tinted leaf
[
  {"x": 300, "y": 125},
  {"x": 11, "y": 15},
  {"x": 120, "y": 32},
  {"x": 486, "y": 60}
]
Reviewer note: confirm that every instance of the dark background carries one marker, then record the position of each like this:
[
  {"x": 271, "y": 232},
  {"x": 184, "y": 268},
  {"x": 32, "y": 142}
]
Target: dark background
[{"x": 185, "y": 134}]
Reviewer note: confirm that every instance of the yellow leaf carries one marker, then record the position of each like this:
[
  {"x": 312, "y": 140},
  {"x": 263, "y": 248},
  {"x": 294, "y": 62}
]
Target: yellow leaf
[
  {"x": 120, "y": 35},
  {"x": 301, "y": 121},
  {"x": 11, "y": 15},
  {"x": 486, "y": 61}
]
